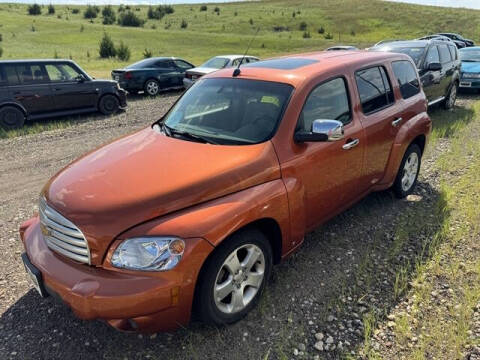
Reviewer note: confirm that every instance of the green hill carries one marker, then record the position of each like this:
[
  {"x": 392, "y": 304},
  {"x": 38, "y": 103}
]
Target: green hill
[{"x": 285, "y": 27}]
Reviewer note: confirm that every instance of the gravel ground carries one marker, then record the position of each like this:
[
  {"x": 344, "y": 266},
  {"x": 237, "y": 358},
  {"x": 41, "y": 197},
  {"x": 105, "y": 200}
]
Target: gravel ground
[{"x": 313, "y": 306}]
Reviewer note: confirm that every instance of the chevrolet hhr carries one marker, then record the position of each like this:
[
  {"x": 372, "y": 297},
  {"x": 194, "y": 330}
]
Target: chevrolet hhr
[{"x": 189, "y": 215}]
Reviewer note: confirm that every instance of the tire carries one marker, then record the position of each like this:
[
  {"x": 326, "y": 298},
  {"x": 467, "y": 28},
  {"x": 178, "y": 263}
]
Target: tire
[
  {"x": 108, "y": 104},
  {"x": 407, "y": 175},
  {"x": 152, "y": 87},
  {"x": 11, "y": 117},
  {"x": 449, "y": 102},
  {"x": 215, "y": 304}
]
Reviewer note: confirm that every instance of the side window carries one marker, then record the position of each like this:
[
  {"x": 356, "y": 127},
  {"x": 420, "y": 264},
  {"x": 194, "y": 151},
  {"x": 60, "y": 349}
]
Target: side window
[
  {"x": 327, "y": 101},
  {"x": 432, "y": 55},
  {"x": 445, "y": 56},
  {"x": 11, "y": 74},
  {"x": 453, "y": 52},
  {"x": 3, "y": 77},
  {"x": 31, "y": 74},
  {"x": 374, "y": 89},
  {"x": 407, "y": 78},
  {"x": 61, "y": 72},
  {"x": 235, "y": 62},
  {"x": 251, "y": 60},
  {"x": 182, "y": 64}
]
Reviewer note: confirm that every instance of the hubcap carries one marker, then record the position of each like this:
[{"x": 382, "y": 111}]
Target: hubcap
[
  {"x": 152, "y": 87},
  {"x": 410, "y": 170},
  {"x": 239, "y": 279}
]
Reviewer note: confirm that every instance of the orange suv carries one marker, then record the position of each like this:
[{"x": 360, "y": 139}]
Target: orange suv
[{"x": 191, "y": 213}]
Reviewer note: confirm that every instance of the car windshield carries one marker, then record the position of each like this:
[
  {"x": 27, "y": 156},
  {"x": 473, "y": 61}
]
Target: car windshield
[
  {"x": 228, "y": 111},
  {"x": 142, "y": 64},
  {"x": 216, "y": 63},
  {"x": 414, "y": 52},
  {"x": 470, "y": 55}
]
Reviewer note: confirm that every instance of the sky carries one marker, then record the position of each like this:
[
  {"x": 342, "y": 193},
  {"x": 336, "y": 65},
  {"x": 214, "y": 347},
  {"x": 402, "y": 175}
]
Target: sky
[
  {"x": 472, "y": 4},
  {"x": 115, "y": 2}
]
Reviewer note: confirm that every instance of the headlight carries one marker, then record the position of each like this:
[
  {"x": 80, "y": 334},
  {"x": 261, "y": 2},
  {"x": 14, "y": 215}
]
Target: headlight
[{"x": 148, "y": 253}]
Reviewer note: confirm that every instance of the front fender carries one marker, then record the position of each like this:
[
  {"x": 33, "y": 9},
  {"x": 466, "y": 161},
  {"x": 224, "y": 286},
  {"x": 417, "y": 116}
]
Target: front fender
[
  {"x": 216, "y": 219},
  {"x": 418, "y": 125}
]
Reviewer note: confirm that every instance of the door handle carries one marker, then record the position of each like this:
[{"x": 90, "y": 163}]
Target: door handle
[
  {"x": 351, "y": 144},
  {"x": 396, "y": 122}
]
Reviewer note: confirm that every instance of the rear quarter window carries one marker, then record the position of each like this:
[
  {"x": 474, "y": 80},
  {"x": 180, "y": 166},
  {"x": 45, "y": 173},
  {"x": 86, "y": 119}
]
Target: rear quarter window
[
  {"x": 445, "y": 56},
  {"x": 407, "y": 78},
  {"x": 453, "y": 52}
]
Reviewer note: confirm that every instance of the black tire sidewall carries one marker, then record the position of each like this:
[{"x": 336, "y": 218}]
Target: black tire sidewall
[
  {"x": 19, "y": 114},
  {"x": 205, "y": 303},
  {"x": 102, "y": 108},
  {"x": 146, "y": 85},
  {"x": 397, "y": 186},
  {"x": 446, "y": 104}
]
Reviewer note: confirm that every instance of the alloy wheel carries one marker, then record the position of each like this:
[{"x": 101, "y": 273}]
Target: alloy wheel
[
  {"x": 452, "y": 97},
  {"x": 410, "y": 171},
  {"x": 152, "y": 88},
  {"x": 239, "y": 279}
]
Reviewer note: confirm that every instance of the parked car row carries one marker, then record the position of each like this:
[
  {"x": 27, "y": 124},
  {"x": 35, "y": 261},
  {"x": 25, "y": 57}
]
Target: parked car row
[{"x": 263, "y": 154}]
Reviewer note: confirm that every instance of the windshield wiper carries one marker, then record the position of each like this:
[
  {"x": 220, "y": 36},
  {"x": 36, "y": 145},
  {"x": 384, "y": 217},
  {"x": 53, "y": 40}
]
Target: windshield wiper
[{"x": 172, "y": 132}]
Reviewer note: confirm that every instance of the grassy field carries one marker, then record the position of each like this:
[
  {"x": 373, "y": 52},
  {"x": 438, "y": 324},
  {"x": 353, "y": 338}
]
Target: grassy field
[{"x": 285, "y": 27}]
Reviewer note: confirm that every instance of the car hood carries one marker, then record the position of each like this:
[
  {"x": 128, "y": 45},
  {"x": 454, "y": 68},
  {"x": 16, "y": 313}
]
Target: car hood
[
  {"x": 470, "y": 67},
  {"x": 145, "y": 175},
  {"x": 104, "y": 82},
  {"x": 202, "y": 70}
]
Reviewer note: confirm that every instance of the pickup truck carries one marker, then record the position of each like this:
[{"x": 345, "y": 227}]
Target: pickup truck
[{"x": 190, "y": 214}]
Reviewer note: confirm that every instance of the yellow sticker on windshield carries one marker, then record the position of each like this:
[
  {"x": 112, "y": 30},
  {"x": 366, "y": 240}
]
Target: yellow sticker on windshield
[{"x": 271, "y": 100}]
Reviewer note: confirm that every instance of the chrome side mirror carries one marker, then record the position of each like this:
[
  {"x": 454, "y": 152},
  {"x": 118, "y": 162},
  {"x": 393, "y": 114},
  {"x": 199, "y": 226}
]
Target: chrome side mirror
[
  {"x": 333, "y": 129},
  {"x": 322, "y": 130}
]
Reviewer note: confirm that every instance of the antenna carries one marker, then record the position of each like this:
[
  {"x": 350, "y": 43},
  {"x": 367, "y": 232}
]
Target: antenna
[{"x": 236, "y": 72}]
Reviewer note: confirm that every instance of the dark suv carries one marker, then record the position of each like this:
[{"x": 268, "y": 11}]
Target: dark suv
[
  {"x": 34, "y": 89},
  {"x": 438, "y": 66}
]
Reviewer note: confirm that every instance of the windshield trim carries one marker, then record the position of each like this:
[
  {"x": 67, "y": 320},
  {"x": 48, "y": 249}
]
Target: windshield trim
[{"x": 277, "y": 123}]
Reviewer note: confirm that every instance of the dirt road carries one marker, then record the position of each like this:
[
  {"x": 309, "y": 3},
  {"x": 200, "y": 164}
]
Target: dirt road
[{"x": 343, "y": 270}]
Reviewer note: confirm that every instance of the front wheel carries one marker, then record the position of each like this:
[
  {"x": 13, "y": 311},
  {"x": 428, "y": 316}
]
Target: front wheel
[
  {"x": 451, "y": 97},
  {"x": 408, "y": 173},
  {"x": 108, "y": 104},
  {"x": 234, "y": 277},
  {"x": 152, "y": 87},
  {"x": 11, "y": 118}
]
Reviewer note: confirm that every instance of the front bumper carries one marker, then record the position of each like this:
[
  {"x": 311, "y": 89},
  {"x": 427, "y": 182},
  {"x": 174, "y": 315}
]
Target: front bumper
[
  {"x": 122, "y": 96},
  {"x": 470, "y": 83},
  {"x": 127, "y": 300}
]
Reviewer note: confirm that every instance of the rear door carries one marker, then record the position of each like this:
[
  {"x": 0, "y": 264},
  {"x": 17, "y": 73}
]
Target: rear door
[
  {"x": 169, "y": 74},
  {"x": 29, "y": 85},
  {"x": 379, "y": 117},
  {"x": 4, "y": 93},
  {"x": 182, "y": 67},
  {"x": 431, "y": 80},
  {"x": 68, "y": 92},
  {"x": 448, "y": 68}
]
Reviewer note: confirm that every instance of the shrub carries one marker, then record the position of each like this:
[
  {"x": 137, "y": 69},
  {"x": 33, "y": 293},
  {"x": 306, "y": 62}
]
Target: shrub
[
  {"x": 34, "y": 9},
  {"x": 235, "y": 13},
  {"x": 217, "y": 9},
  {"x": 121, "y": 8},
  {"x": 123, "y": 52},
  {"x": 108, "y": 15},
  {"x": 293, "y": 14},
  {"x": 159, "y": 11},
  {"x": 59, "y": 16},
  {"x": 129, "y": 18},
  {"x": 306, "y": 35},
  {"x": 51, "y": 9},
  {"x": 203, "y": 8},
  {"x": 82, "y": 28},
  {"x": 353, "y": 33},
  {"x": 75, "y": 11},
  {"x": 303, "y": 26},
  {"x": 88, "y": 54},
  {"x": 147, "y": 53},
  {"x": 184, "y": 24},
  {"x": 107, "y": 48},
  {"x": 91, "y": 12},
  {"x": 1, "y": 52},
  {"x": 55, "y": 55},
  {"x": 250, "y": 21},
  {"x": 1, "y": 37},
  {"x": 33, "y": 28},
  {"x": 280, "y": 28},
  {"x": 321, "y": 30},
  {"x": 329, "y": 36}
]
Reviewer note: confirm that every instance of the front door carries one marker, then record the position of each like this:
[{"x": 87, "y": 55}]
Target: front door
[
  {"x": 69, "y": 92},
  {"x": 431, "y": 79},
  {"x": 448, "y": 68},
  {"x": 29, "y": 85},
  {"x": 331, "y": 172},
  {"x": 182, "y": 66}
]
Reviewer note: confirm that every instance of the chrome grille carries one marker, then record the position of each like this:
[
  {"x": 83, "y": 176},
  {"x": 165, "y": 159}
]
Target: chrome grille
[{"x": 62, "y": 236}]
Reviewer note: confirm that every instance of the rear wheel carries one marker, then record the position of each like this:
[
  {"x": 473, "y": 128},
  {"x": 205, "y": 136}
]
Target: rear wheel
[
  {"x": 451, "y": 97},
  {"x": 108, "y": 104},
  {"x": 234, "y": 277},
  {"x": 408, "y": 173},
  {"x": 11, "y": 117},
  {"x": 152, "y": 87}
]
